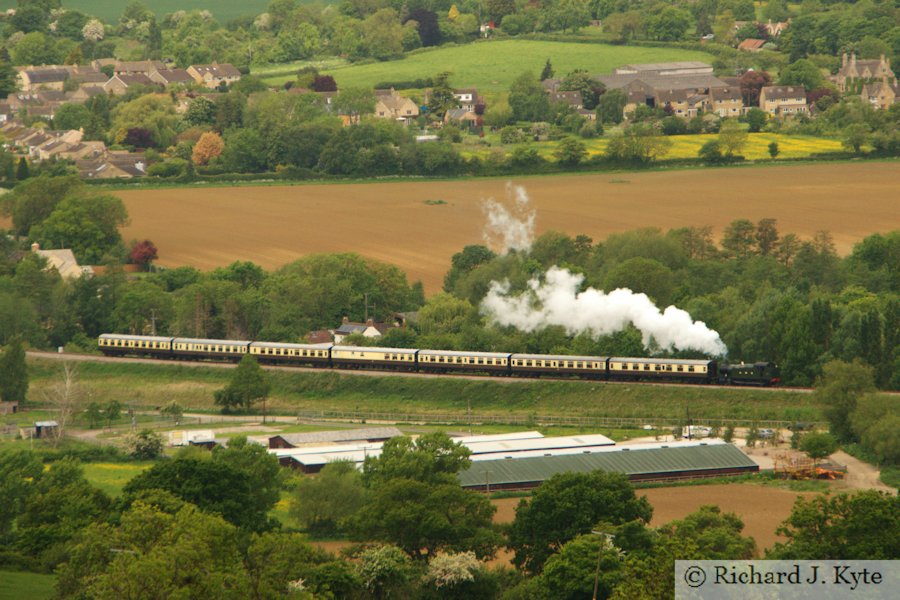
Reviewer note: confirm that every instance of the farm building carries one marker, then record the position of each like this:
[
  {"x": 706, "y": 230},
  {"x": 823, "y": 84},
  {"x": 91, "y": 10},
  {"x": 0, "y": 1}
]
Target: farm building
[
  {"x": 311, "y": 459},
  {"x": 363, "y": 434},
  {"x": 650, "y": 462}
]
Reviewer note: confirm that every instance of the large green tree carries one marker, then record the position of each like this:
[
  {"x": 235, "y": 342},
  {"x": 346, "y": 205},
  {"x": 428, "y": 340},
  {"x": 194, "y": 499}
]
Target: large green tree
[
  {"x": 528, "y": 99},
  {"x": 88, "y": 224},
  {"x": 249, "y": 384},
  {"x": 567, "y": 505},
  {"x": 864, "y": 525},
  {"x": 840, "y": 388},
  {"x": 13, "y": 372}
]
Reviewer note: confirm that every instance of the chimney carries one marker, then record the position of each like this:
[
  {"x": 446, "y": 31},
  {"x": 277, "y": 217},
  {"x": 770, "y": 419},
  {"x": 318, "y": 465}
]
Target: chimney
[
  {"x": 370, "y": 323},
  {"x": 35, "y": 247},
  {"x": 345, "y": 320}
]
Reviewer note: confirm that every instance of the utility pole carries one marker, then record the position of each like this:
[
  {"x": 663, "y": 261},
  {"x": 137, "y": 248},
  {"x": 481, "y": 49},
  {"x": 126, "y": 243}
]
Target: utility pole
[
  {"x": 366, "y": 296},
  {"x": 153, "y": 319}
]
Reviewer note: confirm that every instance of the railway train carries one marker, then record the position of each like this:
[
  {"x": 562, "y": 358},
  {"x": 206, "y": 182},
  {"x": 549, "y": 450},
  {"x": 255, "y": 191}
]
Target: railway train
[{"x": 444, "y": 361}]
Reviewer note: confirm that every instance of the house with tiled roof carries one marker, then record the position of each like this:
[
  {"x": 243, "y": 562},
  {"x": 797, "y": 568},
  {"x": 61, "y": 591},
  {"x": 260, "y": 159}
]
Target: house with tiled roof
[
  {"x": 142, "y": 67},
  {"x": 215, "y": 74},
  {"x": 169, "y": 77},
  {"x": 783, "y": 100},
  {"x": 857, "y": 72},
  {"x": 44, "y": 77},
  {"x": 468, "y": 98},
  {"x": 118, "y": 84},
  {"x": 64, "y": 261},
  {"x": 391, "y": 105},
  {"x": 369, "y": 329},
  {"x": 751, "y": 45},
  {"x": 881, "y": 95},
  {"x": 725, "y": 101}
]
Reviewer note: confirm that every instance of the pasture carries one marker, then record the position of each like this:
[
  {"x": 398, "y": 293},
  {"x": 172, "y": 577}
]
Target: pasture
[
  {"x": 22, "y": 585},
  {"x": 109, "y": 11},
  {"x": 492, "y": 65},
  {"x": 392, "y": 222}
]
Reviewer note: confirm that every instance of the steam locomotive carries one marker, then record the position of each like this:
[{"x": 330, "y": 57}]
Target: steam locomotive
[{"x": 603, "y": 368}]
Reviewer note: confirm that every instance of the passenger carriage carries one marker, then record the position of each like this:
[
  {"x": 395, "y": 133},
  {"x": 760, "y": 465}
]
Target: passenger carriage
[
  {"x": 361, "y": 357},
  {"x": 232, "y": 350},
  {"x": 287, "y": 354},
  {"x": 114, "y": 344},
  {"x": 662, "y": 369},
  {"x": 446, "y": 361},
  {"x": 547, "y": 364}
]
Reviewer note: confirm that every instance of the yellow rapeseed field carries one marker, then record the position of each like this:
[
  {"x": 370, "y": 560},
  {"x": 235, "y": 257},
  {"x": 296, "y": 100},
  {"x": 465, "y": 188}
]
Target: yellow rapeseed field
[{"x": 687, "y": 146}]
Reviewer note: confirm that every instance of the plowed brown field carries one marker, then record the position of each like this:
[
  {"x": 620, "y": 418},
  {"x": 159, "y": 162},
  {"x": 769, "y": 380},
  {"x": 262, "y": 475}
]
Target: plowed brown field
[
  {"x": 762, "y": 509},
  {"x": 271, "y": 226}
]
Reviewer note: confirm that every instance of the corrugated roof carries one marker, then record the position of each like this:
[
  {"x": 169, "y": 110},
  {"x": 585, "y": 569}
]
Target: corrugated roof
[
  {"x": 547, "y": 443},
  {"x": 500, "y": 437},
  {"x": 642, "y": 460},
  {"x": 341, "y": 435}
]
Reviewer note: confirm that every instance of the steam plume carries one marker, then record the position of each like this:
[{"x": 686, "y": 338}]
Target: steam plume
[
  {"x": 557, "y": 301},
  {"x": 510, "y": 225}
]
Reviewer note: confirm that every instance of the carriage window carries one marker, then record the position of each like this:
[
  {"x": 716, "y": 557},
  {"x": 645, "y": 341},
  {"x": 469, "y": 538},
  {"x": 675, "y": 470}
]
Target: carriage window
[{"x": 690, "y": 369}]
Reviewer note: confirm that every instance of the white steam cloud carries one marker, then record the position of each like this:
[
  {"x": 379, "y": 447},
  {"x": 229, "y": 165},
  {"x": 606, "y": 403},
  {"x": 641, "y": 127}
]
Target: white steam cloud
[
  {"x": 510, "y": 225},
  {"x": 557, "y": 301}
]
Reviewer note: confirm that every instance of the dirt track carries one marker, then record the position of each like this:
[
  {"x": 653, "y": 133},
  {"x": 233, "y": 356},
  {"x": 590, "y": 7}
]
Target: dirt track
[{"x": 211, "y": 227}]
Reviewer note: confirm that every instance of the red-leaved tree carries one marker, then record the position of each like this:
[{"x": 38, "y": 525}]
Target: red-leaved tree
[
  {"x": 143, "y": 253},
  {"x": 751, "y": 84}
]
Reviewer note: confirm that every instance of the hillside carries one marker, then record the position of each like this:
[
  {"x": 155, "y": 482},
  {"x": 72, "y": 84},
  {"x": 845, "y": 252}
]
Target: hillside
[
  {"x": 110, "y": 10},
  {"x": 491, "y": 66}
]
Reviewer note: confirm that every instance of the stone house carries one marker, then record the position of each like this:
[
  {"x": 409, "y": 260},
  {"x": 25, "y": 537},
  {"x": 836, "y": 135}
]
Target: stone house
[
  {"x": 783, "y": 100},
  {"x": 118, "y": 84},
  {"x": 881, "y": 95},
  {"x": 50, "y": 77},
  {"x": 725, "y": 102},
  {"x": 214, "y": 75},
  {"x": 391, "y": 105},
  {"x": 63, "y": 261},
  {"x": 170, "y": 77},
  {"x": 855, "y": 72}
]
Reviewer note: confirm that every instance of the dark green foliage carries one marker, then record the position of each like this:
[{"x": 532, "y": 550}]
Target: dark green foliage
[
  {"x": 13, "y": 372},
  {"x": 249, "y": 384},
  {"x": 864, "y": 526},
  {"x": 840, "y": 388},
  {"x": 818, "y": 445},
  {"x": 567, "y": 505}
]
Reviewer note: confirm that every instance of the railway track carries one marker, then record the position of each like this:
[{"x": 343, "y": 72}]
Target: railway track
[{"x": 76, "y": 357}]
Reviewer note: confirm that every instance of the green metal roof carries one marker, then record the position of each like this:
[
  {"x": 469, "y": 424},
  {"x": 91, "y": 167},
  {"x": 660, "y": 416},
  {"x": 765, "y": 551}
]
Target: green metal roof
[{"x": 631, "y": 461}]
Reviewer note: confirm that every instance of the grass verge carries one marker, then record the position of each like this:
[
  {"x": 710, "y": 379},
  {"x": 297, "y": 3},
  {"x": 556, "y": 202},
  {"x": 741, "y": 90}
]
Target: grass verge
[{"x": 22, "y": 585}]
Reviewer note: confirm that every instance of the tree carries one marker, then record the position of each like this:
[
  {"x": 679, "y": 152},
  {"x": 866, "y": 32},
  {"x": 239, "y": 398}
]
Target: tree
[
  {"x": 93, "y": 30},
  {"x": 497, "y": 9},
  {"x": 711, "y": 152},
  {"x": 863, "y": 526},
  {"x": 569, "y": 504},
  {"x": 751, "y": 83},
  {"x": 639, "y": 143},
  {"x": 249, "y": 383},
  {"x": 840, "y": 388},
  {"x": 610, "y": 106},
  {"x": 669, "y": 25},
  {"x": 429, "y": 32},
  {"x": 732, "y": 137},
  {"x": 528, "y": 99},
  {"x": 802, "y": 72},
  {"x": 13, "y": 372},
  {"x": 201, "y": 111},
  {"x": 571, "y": 573},
  {"x": 173, "y": 410},
  {"x": 143, "y": 253},
  {"x": 22, "y": 171},
  {"x": 818, "y": 445},
  {"x": 739, "y": 238},
  {"x": 547, "y": 71},
  {"x": 385, "y": 571},
  {"x": 441, "y": 98},
  {"x": 86, "y": 223},
  {"x": 9, "y": 81},
  {"x": 145, "y": 444},
  {"x": 756, "y": 119},
  {"x": 415, "y": 501},
  {"x": 354, "y": 102},
  {"x": 773, "y": 149},
  {"x": 854, "y": 136},
  {"x": 323, "y": 83},
  {"x": 323, "y": 505},
  {"x": 207, "y": 148},
  {"x": 570, "y": 152},
  {"x": 590, "y": 89}
]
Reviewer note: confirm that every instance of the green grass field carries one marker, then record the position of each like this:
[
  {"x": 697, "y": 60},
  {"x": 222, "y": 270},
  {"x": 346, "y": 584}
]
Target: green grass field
[
  {"x": 154, "y": 385},
  {"x": 21, "y": 585},
  {"x": 109, "y": 11},
  {"x": 491, "y": 66},
  {"x": 112, "y": 477}
]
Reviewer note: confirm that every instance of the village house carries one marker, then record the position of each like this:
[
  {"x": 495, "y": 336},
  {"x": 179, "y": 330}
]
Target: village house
[
  {"x": 881, "y": 95},
  {"x": 113, "y": 165},
  {"x": 855, "y": 72},
  {"x": 776, "y": 29},
  {"x": 783, "y": 100},
  {"x": 391, "y": 105},
  {"x": 468, "y": 99},
  {"x": 667, "y": 69},
  {"x": 214, "y": 75},
  {"x": 369, "y": 329},
  {"x": 138, "y": 67},
  {"x": 725, "y": 101},
  {"x": 49, "y": 77},
  {"x": 170, "y": 77},
  {"x": 118, "y": 84},
  {"x": 63, "y": 261},
  {"x": 462, "y": 117},
  {"x": 751, "y": 45}
]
